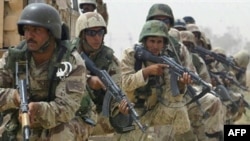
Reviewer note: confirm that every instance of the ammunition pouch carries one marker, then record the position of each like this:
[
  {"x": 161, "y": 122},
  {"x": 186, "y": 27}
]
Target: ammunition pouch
[{"x": 122, "y": 123}]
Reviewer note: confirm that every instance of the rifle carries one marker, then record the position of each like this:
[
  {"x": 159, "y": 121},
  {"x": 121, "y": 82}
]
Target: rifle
[
  {"x": 230, "y": 78},
  {"x": 112, "y": 91},
  {"x": 22, "y": 85},
  {"x": 175, "y": 69},
  {"x": 220, "y": 58}
]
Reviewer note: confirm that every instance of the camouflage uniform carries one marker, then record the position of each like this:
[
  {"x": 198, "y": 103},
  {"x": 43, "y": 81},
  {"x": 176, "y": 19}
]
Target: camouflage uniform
[
  {"x": 206, "y": 118},
  {"x": 160, "y": 109},
  {"x": 54, "y": 119},
  {"x": 104, "y": 59},
  {"x": 200, "y": 38},
  {"x": 233, "y": 108},
  {"x": 163, "y": 12}
]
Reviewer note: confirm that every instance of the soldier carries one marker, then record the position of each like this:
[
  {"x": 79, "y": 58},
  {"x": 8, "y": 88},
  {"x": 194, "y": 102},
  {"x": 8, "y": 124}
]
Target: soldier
[
  {"x": 200, "y": 37},
  {"x": 149, "y": 88},
  {"x": 90, "y": 30},
  {"x": 206, "y": 114},
  {"x": 55, "y": 74},
  {"x": 87, "y": 5},
  {"x": 180, "y": 24},
  {"x": 92, "y": 5}
]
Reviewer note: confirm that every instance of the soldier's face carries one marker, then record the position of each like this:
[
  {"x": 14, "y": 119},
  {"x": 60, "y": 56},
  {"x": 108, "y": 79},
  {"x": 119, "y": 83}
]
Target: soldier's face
[
  {"x": 35, "y": 36},
  {"x": 94, "y": 37},
  {"x": 154, "y": 44},
  {"x": 87, "y": 8}
]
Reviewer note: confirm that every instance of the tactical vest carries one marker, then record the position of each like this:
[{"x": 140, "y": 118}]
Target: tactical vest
[{"x": 20, "y": 53}]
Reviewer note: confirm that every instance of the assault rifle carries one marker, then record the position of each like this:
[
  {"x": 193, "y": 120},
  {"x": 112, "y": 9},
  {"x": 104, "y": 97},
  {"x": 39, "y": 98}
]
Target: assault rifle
[
  {"x": 226, "y": 96},
  {"x": 112, "y": 91},
  {"x": 175, "y": 69},
  {"x": 22, "y": 85},
  {"x": 232, "y": 80},
  {"x": 220, "y": 58}
]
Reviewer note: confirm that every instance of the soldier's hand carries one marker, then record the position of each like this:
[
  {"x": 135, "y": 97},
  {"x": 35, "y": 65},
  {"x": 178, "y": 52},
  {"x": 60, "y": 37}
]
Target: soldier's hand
[
  {"x": 186, "y": 78},
  {"x": 95, "y": 83},
  {"x": 33, "y": 112},
  {"x": 155, "y": 69},
  {"x": 123, "y": 107},
  {"x": 16, "y": 98}
]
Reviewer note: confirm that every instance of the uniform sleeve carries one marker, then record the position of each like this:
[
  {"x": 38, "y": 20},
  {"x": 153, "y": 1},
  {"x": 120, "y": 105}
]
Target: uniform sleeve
[
  {"x": 130, "y": 78},
  {"x": 69, "y": 93},
  {"x": 186, "y": 58},
  {"x": 6, "y": 82}
]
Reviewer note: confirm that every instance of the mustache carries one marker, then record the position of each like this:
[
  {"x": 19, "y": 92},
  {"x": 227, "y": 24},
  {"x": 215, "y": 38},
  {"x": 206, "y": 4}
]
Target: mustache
[{"x": 31, "y": 41}]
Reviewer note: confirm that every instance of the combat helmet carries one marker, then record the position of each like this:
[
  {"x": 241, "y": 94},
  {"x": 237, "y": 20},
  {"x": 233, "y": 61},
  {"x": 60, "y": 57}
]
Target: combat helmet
[
  {"x": 160, "y": 10},
  {"x": 92, "y": 2},
  {"x": 189, "y": 20},
  {"x": 187, "y": 36},
  {"x": 89, "y": 20},
  {"x": 180, "y": 24},
  {"x": 193, "y": 28},
  {"x": 153, "y": 28},
  {"x": 174, "y": 33},
  {"x": 242, "y": 58},
  {"x": 41, "y": 14}
]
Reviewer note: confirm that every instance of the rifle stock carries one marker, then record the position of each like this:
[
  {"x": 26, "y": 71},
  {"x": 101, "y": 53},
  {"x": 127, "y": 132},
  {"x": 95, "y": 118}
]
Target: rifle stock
[{"x": 112, "y": 91}]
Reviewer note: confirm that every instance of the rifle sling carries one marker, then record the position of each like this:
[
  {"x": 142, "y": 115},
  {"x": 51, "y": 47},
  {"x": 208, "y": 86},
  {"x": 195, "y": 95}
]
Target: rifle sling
[
  {"x": 51, "y": 93},
  {"x": 201, "y": 94}
]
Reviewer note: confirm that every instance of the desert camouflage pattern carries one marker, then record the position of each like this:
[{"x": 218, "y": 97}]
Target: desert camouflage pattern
[
  {"x": 242, "y": 59},
  {"x": 174, "y": 33},
  {"x": 89, "y": 20},
  {"x": 170, "y": 111},
  {"x": 210, "y": 104},
  {"x": 52, "y": 119}
]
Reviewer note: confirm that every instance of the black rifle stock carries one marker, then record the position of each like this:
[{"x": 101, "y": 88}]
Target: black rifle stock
[
  {"x": 220, "y": 58},
  {"x": 176, "y": 70},
  {"x": 112, "y": 91},
  {"x": 22, "y": 85}
]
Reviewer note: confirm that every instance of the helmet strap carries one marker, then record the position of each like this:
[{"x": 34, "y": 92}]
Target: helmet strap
[{"x": 44, "y": 46}]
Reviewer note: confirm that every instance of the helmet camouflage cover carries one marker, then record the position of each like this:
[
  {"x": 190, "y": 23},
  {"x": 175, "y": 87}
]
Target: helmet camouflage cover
[
  {"x": 160, "y": 10},
  {"x": 187, "y": 36},
  {"x": 153, "y": 28},
  {"x": 174, "y": 33},
  {"x": 242, "y": 58},
  {"x": 31, "y": 15},
  {"x": 89, "y": 20},
  {"x": 193, "y": 28}
]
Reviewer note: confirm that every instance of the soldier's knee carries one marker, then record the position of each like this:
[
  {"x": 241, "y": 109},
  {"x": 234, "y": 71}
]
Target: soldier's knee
[{"x": 217, "y": 105}]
